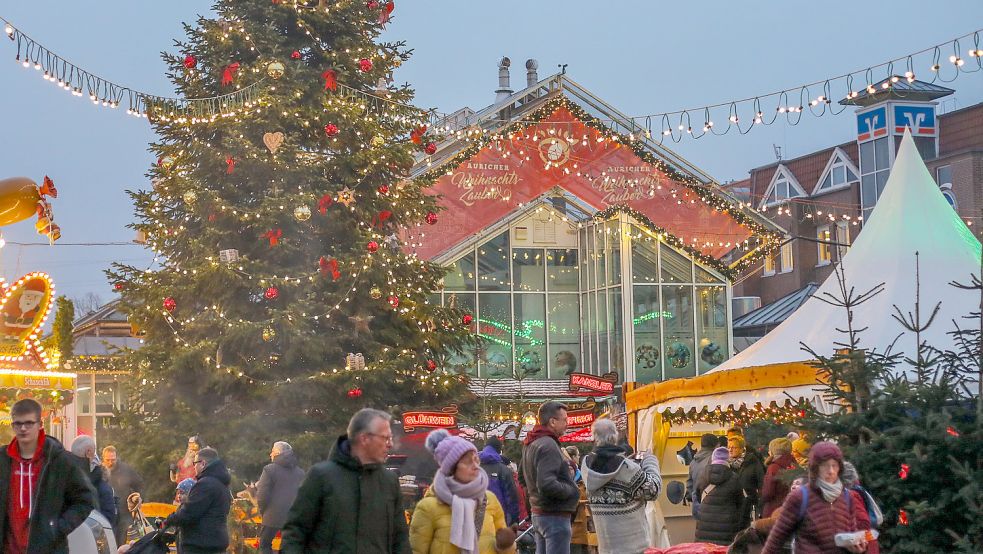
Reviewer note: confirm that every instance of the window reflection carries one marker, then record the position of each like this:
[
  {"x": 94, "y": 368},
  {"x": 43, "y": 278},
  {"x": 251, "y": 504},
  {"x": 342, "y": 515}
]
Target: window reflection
[
  {"x": 564, "y": 334},
  {"x": 495, "y": 328},
  {"x": 677, "y": 344},
  {"x": 493, "y": 264},
  {"x": 646, "y": 316},
  {"x": 461, "y": 274},
  {"x": 711, "y": 326},
  {"x": 676, "y": 268},
  {"x": 528, "y": 266},
  {"x": 530, "y": 334},
  {"x": 561, "y": 270}
]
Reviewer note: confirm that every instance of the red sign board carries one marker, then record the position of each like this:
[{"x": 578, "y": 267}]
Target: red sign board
[
  {"x": 560, "y": 151},
  {"x": 590, "y": 382},
  {"x": 580, "y": 418},
  {"x": 412, "y": 420}
]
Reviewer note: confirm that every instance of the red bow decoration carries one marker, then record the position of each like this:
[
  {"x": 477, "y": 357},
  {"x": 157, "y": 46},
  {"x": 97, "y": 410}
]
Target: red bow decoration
[
  {"x": 387, "y": 9},
  {"x": 48, "y": 188},
  {"x": 274, "y": 236},
  {"x": 229, "y": 73},
  {"x": 329, "y": 266},
  {"x": 231, "y": 162},
  {"x": 952, "y": 431},
  {"x": 381, "y": 218},
  {"x": 323, "y": 203},
  {"x": 902, "y": 517},
  {"x": 330, "y": 80},
  {"x": 903, "y": 474},
  {"x": 416, "y": 135}
]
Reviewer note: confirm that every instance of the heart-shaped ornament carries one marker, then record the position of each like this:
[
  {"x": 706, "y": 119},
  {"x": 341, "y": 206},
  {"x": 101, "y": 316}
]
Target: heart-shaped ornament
[
  {"x": 273, "y": 141},
  {"x": 24, "y": 309}
]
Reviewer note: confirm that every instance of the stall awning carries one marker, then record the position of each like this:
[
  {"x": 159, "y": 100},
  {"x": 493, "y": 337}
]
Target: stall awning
[{"x": 39, "y": 380}]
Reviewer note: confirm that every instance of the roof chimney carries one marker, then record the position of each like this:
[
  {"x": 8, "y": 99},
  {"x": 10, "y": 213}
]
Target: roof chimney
[
  {"x": 532, "y": 77},
  {"x": 504, "y": 88}
]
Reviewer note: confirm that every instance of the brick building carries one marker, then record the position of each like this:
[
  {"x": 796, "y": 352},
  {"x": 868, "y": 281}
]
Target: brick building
[{"x": 821, "y": 199}]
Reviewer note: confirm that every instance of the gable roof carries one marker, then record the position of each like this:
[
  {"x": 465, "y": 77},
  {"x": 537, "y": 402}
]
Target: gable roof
[
  {"x": 556, "y": 134},
  {"x": 782, "y": 172},
  {"x": 838, "y": 156},
  {"x": 897, "y": 87},
  {"x": 806, "y": 169}
]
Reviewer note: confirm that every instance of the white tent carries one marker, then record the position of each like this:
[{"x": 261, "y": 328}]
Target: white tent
[{"x": 911, "y": 216}]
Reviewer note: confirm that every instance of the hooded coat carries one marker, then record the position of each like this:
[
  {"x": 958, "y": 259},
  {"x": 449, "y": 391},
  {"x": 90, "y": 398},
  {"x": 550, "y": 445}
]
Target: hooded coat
[
  {"x": 548, "y": 481},
  {"x": 775, "y": 489},
  {"x": 346, "y": 507},
  {"x": 64, "y": 497},
  {"x": 720, "y": 511},
  {"x": 104, "y": 491},
  {"x": 494, "y": 465},
  {"x": 617, "y": 490},
  {"x": 277, "y": 489},
  {"x": 696, "y": 468},
  {"x": 202, "y": 517}
]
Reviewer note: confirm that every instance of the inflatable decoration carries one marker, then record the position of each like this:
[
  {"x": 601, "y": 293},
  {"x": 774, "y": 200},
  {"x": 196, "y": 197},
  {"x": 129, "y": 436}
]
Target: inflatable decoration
[{"x": 20, "y": 198}]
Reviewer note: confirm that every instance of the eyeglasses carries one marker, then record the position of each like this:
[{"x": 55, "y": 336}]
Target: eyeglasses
[
  {"x": 23, "y": 424},
  {"x": 387, "y": 438}
]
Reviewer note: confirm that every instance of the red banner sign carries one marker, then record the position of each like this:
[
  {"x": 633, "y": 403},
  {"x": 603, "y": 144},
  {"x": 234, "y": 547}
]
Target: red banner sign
[
  {"x": 590, "y": 382},
  {"x": 412, "y": 420},
  {"x": 560, "y": 151},
  {"x": 580, "y": 418}
]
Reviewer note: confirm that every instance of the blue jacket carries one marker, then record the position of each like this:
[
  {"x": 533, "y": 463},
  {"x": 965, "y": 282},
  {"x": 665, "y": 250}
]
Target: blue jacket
[
  {"x": 496, "y": 468},
  {"x": 104, "y": 491}
]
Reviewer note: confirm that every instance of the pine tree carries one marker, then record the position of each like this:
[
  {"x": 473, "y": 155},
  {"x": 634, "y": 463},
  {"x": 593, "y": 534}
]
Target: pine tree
[{"x": 301, "y": 185}]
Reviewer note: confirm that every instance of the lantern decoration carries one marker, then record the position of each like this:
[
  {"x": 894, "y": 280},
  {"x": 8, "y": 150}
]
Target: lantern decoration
[
  {"x": 372, "y": 246},
  {"x": 271, "y": 293},
  {"x": 467, "y": 319},
  {"x": 430, "y": 148},
  {"x": 375, "y": 293},
  {"x": 269, "y": 334},
  {"x": 355, "y": 362},
  {"x": 431, "y": 366},
  {"x": 354, "y": 392},
  {"x": 170, "y": 304},
  {"x": 190, "y": 197},
  {"x": 393, "y": 301},
  {"x": 331, "y": 129},
  {"x": 365, "y": 65},
  {"x": 275, "y": 70},
  {"x": 228, "y": 256},
  {"x": 302, "y": 213},
  {"x": 431, "y": 218}
]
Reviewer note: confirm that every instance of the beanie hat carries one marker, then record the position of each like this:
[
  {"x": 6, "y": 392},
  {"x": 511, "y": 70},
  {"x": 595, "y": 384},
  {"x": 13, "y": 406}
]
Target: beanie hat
[
  {"x": 185, "y": 485},
  {"x": 708, "y": 440},
  {"x": 448, "y": 449},
  {"x": 780, "y": 446},
  {"x": 800, "y": 449},
  {"x": 495, "y": 443},
  {"x": 720, "y": 455},
  {"x": 821, "y": 452}
]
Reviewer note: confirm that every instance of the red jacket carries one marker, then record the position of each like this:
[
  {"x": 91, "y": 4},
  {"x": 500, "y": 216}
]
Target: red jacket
[
  {"x": 24, "y": 477},
  {"x": 823, "y": 520},
  {"x": 774, "y": 490}
]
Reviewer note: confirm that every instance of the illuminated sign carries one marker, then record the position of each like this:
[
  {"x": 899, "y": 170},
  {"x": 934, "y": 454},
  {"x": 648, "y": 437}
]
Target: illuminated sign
[
  {"x": 23, "y": 310},
  {"x": 445, "y": 419},
  {"x": 591, "y": 382},
  {"x": 580, "y": 418}
]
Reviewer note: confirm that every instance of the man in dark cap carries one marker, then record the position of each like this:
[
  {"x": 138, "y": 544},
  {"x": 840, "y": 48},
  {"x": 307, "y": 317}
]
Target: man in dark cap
[{"x": 707, "y": 443}]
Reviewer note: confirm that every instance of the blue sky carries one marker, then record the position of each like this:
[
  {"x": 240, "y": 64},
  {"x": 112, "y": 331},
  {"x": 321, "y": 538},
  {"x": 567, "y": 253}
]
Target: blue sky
[{"x": 641, "y": 57}]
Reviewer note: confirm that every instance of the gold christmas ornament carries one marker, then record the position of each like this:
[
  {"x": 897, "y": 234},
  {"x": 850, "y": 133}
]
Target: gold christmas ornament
[
  {"x": 275, "y": 70},
  {"x": 302, "y": 213},
  {"x": 375, "y": 293},
  {"x": 269, "y": 334},
  {"x": 378, "y": 141},
  {"x": 190, "y": 197}
]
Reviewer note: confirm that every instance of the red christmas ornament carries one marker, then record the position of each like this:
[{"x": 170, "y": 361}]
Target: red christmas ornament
[
  {"x": 903, "y": 474},
  {"x": 383, "y": 189},
  {"x": 331, "y": 129},
  {"x": 117, "y": 286},
  {"x": 372, "y": 246},
  {"x": 430, "y": 148},
  {"x": 467, "y": 319},
  {"x": 372, "y": 5},
  {"x": 393, "y": 301},
  {"x": 170, "y": 304},
  {"x": 952, "y": 431},
  {"x": 271, "y": 293},
  {"x": 431, "y": 366},
  {"x": 190, "y": 62},
  {"x": 354, "y": 392},
  {"x": 295, "y": 55},
  {"x": 365, "y": 65},
  {"x": 902, "y": 517},
  {"x": 431, "y": 218}
]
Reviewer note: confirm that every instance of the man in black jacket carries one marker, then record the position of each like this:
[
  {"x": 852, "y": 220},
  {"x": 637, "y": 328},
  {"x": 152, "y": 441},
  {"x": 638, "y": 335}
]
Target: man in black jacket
[
  {"x": 750, "y": 470},
  {"x": 125, "y": 481},
  {"x": 350, "y": 503},
  {"x": 276, "y": 492},
  {"x": 202, "y": 517},
  {"x": 44, "y": 495},
  {"x": 549, "y": 481}
]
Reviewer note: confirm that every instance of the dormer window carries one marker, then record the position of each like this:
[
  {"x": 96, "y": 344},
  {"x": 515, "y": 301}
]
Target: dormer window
[
  {"x": 783, "y": 187},
  {"x": 840, "y": 173}
]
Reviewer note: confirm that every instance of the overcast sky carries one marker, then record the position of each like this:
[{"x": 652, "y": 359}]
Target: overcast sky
[{"x": 641, "y": 57}]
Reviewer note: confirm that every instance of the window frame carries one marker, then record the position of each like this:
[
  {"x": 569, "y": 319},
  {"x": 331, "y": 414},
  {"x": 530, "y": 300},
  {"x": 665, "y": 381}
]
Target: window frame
[
  {"x": 842, "y": 239},
  {"x": 824, "y": 252},
  {"x": 784, "y": 177},
  {"x": 769, "y": 267},
  {"x": 838, "y": 159},
  {"x": 790, "y": 266}
]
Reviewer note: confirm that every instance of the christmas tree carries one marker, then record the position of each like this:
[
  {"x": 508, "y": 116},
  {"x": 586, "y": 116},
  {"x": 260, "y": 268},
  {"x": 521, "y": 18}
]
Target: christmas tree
[{"x": 284, "y": 299}]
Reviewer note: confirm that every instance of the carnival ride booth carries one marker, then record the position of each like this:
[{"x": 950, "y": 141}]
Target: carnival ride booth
[
  {"x": 773, "y": 378},
  {"x": 25, "y": 365}
]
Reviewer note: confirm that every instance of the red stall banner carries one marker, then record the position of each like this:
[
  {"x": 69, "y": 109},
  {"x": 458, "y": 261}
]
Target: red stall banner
[
  {"x": 432, "y": 420},
  {"x": 561, "y": 151},
  {"x": 582, "y": 381},
  {"x": 580, "y": 418}
]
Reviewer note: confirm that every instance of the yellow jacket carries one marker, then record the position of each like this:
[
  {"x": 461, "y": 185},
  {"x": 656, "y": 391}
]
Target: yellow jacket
[{"x": 430, "y": 528}]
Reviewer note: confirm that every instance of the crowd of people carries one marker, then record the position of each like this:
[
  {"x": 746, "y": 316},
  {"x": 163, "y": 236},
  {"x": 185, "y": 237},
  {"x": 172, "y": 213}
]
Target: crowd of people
[{"x": 478, "y": 502}]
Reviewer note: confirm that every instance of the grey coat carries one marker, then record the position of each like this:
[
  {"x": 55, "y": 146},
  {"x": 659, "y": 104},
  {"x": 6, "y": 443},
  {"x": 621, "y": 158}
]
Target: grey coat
[
  {"x": 277, "y": 489},
  {"x": 696, "y": 468}
]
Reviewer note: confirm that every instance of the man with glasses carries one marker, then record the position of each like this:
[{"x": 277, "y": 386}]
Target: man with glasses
[
  {"x": 44, "y": 495},
  {"x": 351, "y": 502},
  {"x": 201, "y": 518}
]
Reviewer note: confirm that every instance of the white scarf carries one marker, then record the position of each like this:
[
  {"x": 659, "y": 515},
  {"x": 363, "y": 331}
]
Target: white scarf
[
  {"x": 831, "y": 491},
  {"x": 467, "y": 502}
]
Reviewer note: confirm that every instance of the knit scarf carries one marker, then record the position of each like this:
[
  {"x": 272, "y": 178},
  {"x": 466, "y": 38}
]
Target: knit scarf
[
  {"x": 736, "y": 463},
  {"x": 831, "y": 491},
  {"x": 467, "y": 502}
]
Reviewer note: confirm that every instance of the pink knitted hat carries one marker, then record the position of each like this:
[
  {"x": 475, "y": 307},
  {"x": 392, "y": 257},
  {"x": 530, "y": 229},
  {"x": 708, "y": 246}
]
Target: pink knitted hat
[
  {"x": 448, "y": 449},
  {"x": 720, "y": 455}
]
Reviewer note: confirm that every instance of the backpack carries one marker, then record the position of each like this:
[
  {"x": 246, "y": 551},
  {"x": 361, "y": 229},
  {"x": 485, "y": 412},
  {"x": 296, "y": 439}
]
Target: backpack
[
  {"x": 873, "y": 510},
  {"x": 498, "y": 474}
]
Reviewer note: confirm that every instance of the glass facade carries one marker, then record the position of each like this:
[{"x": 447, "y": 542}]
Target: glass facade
[{"x": 604, "y": 296}]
